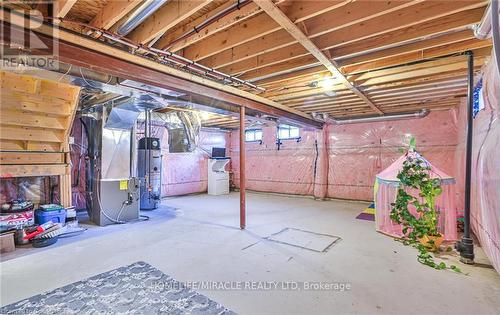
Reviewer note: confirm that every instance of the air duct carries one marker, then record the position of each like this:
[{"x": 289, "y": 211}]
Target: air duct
[
  {"x": 495, "y": 31},
  {"x": 483, "y": 29},
  {"x": 139, "y": 15},
  {"x": 323, "y": 117}
]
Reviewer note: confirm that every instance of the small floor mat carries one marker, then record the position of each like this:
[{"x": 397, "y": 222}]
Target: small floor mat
[
  {"x": 304, "y": 239},
  {"x": 135, "y": 289},
  {"x": 367, "y": 214}
]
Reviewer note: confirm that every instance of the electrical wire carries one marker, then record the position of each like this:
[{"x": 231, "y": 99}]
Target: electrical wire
[
  {"x": 63, "y": 75},
  {"x": 117, "y": 220}
]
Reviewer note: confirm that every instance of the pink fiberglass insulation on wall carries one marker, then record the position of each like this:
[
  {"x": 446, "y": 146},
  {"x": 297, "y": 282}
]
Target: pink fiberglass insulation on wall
[
  {"x": 291, "y": 169},
  {"x": 78, "y": 152},
  {"x": 358, "y": 152},
  {"x": 485, "y": 199},
  {"x": 183, "y": 173},
  {"x": 387, "y": 185},
  {"x": 186, "y": 173}
]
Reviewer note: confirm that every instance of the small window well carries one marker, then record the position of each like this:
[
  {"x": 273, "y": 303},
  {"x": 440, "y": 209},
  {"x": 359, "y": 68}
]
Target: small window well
[
  {"x": 253, "y": 135},
  {"x": 286, "y": 132}
]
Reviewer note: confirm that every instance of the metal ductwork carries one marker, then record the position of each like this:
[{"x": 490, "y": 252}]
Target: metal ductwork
[
  {"x": 139, "y": 15},
  {"x": 324, "y": 117},
  {"x": 495, "y": 30},
  {"x": 483, "y": 29}
]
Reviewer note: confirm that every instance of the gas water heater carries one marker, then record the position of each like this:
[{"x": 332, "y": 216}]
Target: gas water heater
[{"x": 149, "y": 171}]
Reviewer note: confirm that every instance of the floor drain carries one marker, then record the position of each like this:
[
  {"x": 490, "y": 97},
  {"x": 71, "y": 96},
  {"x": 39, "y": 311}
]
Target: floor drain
[{"x": 316, "y": 242}]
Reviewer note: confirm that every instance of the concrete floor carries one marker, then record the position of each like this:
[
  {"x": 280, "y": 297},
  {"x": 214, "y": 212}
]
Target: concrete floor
[{"x": 201, "y": 242}]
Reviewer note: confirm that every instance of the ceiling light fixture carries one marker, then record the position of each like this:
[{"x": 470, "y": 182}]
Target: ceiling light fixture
[{"x": 327, "y": 83}]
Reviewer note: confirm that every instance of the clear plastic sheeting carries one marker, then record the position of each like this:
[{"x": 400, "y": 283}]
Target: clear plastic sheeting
[
  {"x": 358, "y": 152},
  {"x": 485, "y": 199},
  {"x": 292, "y": 169},
  {"x": 78, "y": 154},
  {"x": 385, "y": 191},
  {"x": 341, "y": 161},
  {"x": 38, "y": 190},
  {"x": 186, "y": 172},
  {"x": 191, "y": 122}
]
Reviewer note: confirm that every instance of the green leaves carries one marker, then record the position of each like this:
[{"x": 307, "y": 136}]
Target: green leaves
[
  {"x": 413, "y": 144},
  {"x": 416, "y": 177}
]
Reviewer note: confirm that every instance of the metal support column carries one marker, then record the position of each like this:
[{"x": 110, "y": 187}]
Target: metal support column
[
  {"x": 465, "y": 246},
  {"x": 242, "y": 168}
]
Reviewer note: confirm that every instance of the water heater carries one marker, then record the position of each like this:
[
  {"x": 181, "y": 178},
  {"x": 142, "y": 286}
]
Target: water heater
[{"x": 149, "y": 171}]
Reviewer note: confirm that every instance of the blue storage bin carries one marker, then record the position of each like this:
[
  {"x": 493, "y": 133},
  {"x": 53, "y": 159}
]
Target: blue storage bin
[{"x": 56, "y": 216}]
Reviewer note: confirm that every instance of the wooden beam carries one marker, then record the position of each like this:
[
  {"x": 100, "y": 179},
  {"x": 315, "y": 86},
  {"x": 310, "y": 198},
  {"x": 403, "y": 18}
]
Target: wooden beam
[
  {"x": 113, "y": 12},
  {"x": 275, "y": 13},
  {"x": 353, "y": 22},
  {"x": 398, "y": 20},
  {"x": 221, "y": 24},
  {"x": 421, "y": 30},
  {"x": 279, "y": 56},
  {"x": 33, "y": 170},
  {"x": 389, "y": 39},
  {"x": 426, "y": 72},
  {"x": 258, "y": 26},
  {"x": 78, "y": 50},
  {"x": 27, "y": 157},
  {"x": 165, "y": 18},
  {"x": 423, "y": 72},
  {"x": 404, "y": 68},
  {"x": 416, "y": 45},
  {"x": 424, "y": 54},
  {"x": 344, "y": 16},
  {"x": 62, "y": 7}
]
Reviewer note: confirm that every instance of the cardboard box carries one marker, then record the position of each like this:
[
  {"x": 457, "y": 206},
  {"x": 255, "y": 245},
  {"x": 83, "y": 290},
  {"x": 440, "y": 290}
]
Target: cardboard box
[{"x": 7, "y": 242}]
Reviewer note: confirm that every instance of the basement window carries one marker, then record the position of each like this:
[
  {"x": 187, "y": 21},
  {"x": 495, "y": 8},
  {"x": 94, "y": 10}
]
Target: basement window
[
  {"x": 253, "y": 135},
  {"x": 287, "y": 132}
]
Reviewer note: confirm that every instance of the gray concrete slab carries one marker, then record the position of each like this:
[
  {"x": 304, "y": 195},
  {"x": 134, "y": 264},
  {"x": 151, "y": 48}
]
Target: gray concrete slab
[{"x": 202, "y": 242}]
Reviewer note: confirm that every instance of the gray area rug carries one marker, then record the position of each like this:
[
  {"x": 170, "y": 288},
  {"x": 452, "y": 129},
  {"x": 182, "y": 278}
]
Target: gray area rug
[{"x": 135, "y": 289}]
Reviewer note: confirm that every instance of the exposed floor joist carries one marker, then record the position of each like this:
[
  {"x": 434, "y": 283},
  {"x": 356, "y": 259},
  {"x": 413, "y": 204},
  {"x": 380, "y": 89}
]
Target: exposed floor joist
[
  {"x": 276, "y": 14},
  {"x": 167, "y": 40},
  {"x": 88, "y": 53},
  {"x": 365, "y": 38},
  {"x": 169, "y": 15},
  {"x": 62, "y": 7},
  {"x": 113, "y": 12}
]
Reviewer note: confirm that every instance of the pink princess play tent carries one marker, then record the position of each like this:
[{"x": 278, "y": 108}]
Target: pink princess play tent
[{"x": 385, "y": 190}]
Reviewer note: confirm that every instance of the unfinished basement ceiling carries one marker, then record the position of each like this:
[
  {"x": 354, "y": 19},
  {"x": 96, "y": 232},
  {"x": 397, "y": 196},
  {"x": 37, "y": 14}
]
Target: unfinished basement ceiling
[{"x": 400, "y": 56}]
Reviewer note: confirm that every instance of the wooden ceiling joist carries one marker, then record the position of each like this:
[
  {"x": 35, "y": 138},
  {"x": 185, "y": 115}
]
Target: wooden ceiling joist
[
  {"x": 256, "y": 27},
  {"x": 219, "y": 25},
  {"x": 383, "y": 52},
  {"x": 447, "y": 49},
  {"x": 62, "y": 7},
  {"x": 279, "y": 40},
  {"x": 88, "y": 53},
  {"x": 389, "y": 39},
  {"x": 446, "y": 24},
  {"x": 165, "y": 18},
  {"x": 276, "y": 14},
  {"x": 113, "y": 12},
  {"x": 334, "y": 32}
]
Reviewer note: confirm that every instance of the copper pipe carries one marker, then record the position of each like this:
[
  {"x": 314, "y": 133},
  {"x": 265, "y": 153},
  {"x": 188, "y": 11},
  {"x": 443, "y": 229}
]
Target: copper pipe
[
  {"x": 242, "y": 169},
  {"x": 162, "y": 54}
]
